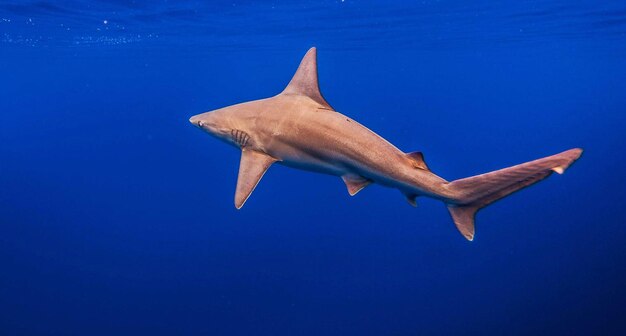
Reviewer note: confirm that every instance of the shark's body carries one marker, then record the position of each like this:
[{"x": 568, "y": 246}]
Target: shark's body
[{"x": 298, "y": 128}]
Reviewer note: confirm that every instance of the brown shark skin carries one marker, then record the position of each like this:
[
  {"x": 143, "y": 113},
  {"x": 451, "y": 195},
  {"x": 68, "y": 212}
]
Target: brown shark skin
[
  {"x": 297, "y": 128},
  {"x": 300, "y": 133}
]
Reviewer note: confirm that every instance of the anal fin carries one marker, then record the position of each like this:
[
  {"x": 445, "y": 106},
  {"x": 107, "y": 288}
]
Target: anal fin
[
  {"x": 411, "y": 198},
  {"x": 355, "y": 183}
]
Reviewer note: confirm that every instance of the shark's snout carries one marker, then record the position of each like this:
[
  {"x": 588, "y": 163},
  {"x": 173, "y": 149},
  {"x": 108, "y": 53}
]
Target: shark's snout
[
  {"x": 206, "y": 122},
  {"x": 202, "y": 121},
  {"x": 195, "y": 120}
]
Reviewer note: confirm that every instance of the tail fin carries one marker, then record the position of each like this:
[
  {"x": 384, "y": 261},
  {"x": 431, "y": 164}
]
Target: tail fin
[{"x": 479, "y": 191}]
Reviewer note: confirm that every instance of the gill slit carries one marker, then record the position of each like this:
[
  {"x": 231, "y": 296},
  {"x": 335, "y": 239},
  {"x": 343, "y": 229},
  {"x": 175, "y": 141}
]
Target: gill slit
[{"x": 240, "y": 137}]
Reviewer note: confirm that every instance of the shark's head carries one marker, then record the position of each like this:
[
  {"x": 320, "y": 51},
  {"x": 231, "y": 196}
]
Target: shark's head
[{"x": 231, "y": 124}]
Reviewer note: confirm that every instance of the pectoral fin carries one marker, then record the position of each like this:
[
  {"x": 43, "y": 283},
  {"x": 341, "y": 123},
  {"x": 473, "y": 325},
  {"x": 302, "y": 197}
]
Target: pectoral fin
[
  {"x": 251, "y": 168},
  {"x": 355, "y": 183}
]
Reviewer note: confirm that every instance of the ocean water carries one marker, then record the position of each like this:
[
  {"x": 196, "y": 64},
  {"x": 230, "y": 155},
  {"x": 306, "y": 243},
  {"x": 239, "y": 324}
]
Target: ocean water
[{"x": 117, "y": 216}]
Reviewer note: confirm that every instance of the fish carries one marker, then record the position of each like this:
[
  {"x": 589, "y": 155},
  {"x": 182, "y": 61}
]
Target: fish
[{"x": 298, "y": 128}]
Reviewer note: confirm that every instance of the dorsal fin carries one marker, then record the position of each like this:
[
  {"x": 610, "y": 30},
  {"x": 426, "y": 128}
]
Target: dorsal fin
[
  {"x": 418, "y": 160},
  {"x": 251, "y": 168},
  {"x": 304, "y": 82}
]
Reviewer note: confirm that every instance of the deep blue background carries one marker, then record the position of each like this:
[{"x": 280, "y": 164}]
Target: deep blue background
[{"x": 117, "y": 216}]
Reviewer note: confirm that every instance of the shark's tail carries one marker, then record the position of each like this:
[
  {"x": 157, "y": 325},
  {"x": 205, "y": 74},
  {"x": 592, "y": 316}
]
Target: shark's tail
[{"x": 476, "y": 192}]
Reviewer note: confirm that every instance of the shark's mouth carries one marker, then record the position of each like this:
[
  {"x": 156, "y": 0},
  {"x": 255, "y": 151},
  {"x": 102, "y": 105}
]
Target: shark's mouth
[{"x": 239, "y": 137}]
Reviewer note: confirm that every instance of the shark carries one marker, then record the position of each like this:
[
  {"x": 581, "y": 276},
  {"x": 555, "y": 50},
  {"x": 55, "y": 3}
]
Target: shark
[{"x": 298, "y": 128}]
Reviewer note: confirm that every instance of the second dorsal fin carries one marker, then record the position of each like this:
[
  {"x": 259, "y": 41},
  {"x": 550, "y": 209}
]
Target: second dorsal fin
[
  {"x": 418, "y": 160},
  {"x": 304, "y": 82}
]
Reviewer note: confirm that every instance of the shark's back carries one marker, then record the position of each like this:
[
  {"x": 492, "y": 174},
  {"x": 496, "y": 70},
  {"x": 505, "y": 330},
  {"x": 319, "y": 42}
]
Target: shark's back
[{"x": 299, "y": 127}]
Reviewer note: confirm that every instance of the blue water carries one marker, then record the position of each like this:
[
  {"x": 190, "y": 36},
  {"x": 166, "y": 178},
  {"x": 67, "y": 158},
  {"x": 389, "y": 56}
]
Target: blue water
[{"x": 117, "y": 216}]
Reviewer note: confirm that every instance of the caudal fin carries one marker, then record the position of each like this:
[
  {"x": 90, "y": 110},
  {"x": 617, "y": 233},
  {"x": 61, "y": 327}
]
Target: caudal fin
[{"x": 476, "y": 192}]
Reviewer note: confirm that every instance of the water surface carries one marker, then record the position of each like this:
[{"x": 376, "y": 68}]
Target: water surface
[{"x": 116, "y": 214}]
